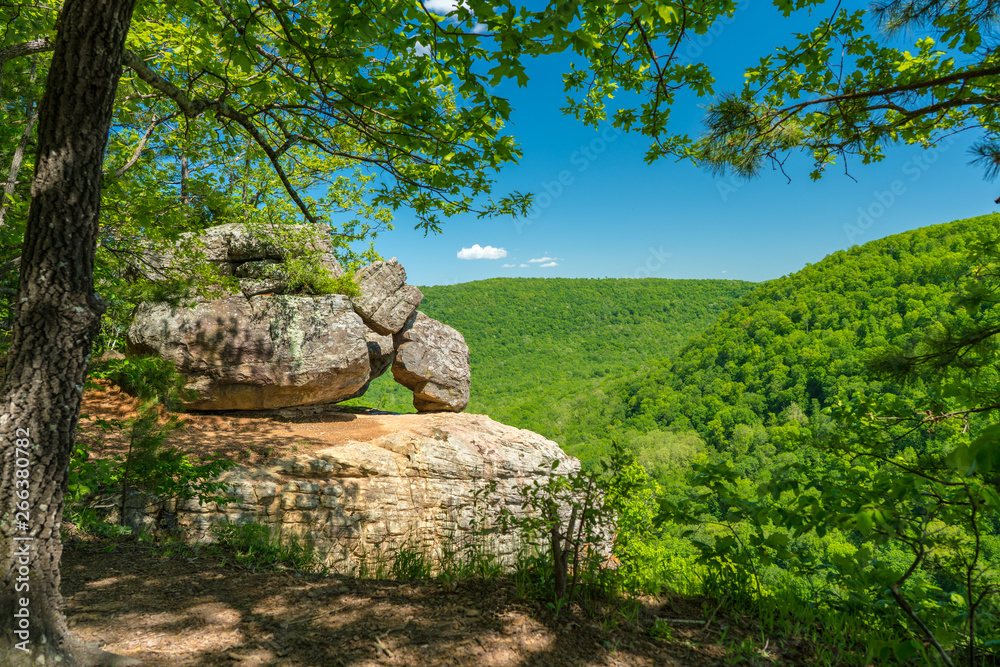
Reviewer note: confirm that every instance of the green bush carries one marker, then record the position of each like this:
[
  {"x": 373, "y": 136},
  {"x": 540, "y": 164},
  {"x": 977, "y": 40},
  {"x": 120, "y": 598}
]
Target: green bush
[
  {"x": 256, "y": 546},
  {"x": 149, "y": 465},
  {"x": 146, "y": 378},
  {"x": 410, "y": 563},
  {"x": 304, "y": 275}
]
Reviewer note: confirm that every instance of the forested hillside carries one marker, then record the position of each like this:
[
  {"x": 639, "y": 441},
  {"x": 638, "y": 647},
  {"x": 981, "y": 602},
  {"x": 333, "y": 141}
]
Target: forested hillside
[
  {"x": 772, "y": 361},
  {"x": 543, "y": 350},
  {"x": 668, "y": 366},
  {"x": 794, "y": 456}
]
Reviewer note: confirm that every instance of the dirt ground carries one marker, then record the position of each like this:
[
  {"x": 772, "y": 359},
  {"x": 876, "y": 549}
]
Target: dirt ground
[
  {"x": 193, "y": 606},
  {"x": 249, "y": 438}
]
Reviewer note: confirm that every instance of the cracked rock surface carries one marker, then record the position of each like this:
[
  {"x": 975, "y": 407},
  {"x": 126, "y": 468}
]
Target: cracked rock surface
[
  {"x": 432, "y": 360},
  {"x": 386, "y": 301},
  {"x": 258, "y": 353}
]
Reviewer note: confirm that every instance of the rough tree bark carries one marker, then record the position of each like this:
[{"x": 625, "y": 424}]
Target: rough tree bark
[{"x": 57, "y": 318}]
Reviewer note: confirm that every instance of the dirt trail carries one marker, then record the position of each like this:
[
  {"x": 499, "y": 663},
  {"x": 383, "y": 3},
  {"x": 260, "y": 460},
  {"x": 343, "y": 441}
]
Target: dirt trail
[
  {"x": 249, "y": 438},
  {"x": 190, "y": 609}
]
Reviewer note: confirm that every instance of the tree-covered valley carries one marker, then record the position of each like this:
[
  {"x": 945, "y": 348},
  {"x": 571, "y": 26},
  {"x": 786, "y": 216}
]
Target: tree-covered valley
[
  {"x": 769, "y": 436},
  {"x": 740, "y": 367},
  {"x": 800, "y": 471},
  {"x": 544, "y": 352},
  {"x": 788, "y": 350}
]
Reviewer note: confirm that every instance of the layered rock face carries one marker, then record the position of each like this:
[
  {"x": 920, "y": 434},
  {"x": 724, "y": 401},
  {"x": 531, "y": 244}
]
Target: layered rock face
[
  {"x": 418, "y": 481},
  {"x": 270, "y": 348}
]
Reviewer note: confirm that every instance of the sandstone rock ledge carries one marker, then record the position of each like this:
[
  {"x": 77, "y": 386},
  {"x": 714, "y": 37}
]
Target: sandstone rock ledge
[{"x": 407, "y": 480}]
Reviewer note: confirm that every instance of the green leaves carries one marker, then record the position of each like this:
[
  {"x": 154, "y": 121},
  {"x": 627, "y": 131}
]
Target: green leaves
[
  {"x": 980, "y": 456},
  {"x": 667, "y": 13},
  {"x": 242, "y": 60},
  {"x": 324, "y": 106},
  {"x": 907, "y": 649},
  {"x": 808, "y": 98},
  {"x": 865, "y": 520}
]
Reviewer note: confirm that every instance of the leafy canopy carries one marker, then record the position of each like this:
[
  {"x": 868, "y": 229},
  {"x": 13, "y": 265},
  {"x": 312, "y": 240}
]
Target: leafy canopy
[{"x": 843, "y": 89}]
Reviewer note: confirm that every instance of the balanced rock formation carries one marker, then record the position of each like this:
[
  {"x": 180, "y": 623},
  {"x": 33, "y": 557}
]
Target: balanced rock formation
[
  {"x": 432, "y": 360},
  {"x": 258, "y": 353},
  {"x": 388, "y": 481},
  {"x": 270, "y": 348},
  {"x": 386, "y": 301}
]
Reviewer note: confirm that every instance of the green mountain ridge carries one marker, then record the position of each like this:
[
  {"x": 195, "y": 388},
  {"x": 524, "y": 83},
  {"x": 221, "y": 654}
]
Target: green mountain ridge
[
  {"x": 667, "y": 367},
  {"x": 787, "y": 349},
  {"x": 542, "y": 347}
]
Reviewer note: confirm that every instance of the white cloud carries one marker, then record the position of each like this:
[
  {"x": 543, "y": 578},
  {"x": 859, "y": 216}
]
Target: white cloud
[
  {"x": 477, "y": 252},
  {"x": 507, "y": 266},
  {"x": 540, "y": 260},
  {"x": 723, "y": 271},
  {"x": 447, "y": 9},
  {"x": 441, "y": 7},
  {"x": 524, "y": 266},
  {"x": 548, "y": 264}
]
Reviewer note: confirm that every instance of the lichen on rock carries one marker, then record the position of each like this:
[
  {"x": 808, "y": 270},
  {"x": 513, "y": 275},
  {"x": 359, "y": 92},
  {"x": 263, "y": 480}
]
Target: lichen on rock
[{"x": 269, "y": 347}]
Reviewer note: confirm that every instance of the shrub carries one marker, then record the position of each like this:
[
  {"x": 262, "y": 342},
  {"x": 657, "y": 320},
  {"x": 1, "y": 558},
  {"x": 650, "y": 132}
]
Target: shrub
[{"x": 256, "y": 546}]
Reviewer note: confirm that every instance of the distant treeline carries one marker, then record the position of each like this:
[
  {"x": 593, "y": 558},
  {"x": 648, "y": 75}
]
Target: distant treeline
[{"x": 541, "y": 345}]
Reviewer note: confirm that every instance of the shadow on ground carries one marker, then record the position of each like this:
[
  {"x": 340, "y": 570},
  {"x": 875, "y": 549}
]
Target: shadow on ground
[
  {"x": 249, "y": 437},
  {"x": 194, "y": 608}
]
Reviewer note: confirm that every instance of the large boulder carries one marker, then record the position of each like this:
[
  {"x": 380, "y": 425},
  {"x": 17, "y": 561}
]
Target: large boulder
[
  {"x": 255, "y": 255},
  {"x": 247, "y": 352},
  {"x": 258, "y": 353},
  {"x": 386, "y": 301},
  {"x": 432, "y": 360}
]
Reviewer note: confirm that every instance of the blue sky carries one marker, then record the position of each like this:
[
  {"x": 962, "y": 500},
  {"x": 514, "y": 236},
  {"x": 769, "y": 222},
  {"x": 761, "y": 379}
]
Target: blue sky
[{"x": 602, "y": 212}]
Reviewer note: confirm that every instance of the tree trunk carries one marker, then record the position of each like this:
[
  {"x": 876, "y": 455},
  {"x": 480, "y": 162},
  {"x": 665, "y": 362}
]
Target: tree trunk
[{"x": 58, "y": 315}]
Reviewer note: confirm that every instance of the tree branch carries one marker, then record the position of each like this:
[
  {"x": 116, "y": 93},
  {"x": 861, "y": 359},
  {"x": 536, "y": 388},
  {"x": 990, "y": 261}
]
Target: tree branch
[
  {"x": 15, "y": 166},
  {"x": 195, "y": 108},
  {"x": 137, "y": 153},
  {"x": 25, "y": 49},
  {"x": 918, "y": 555},
  {"x": 954, "y": 77},
  {"x": 17, "y": 160}
]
